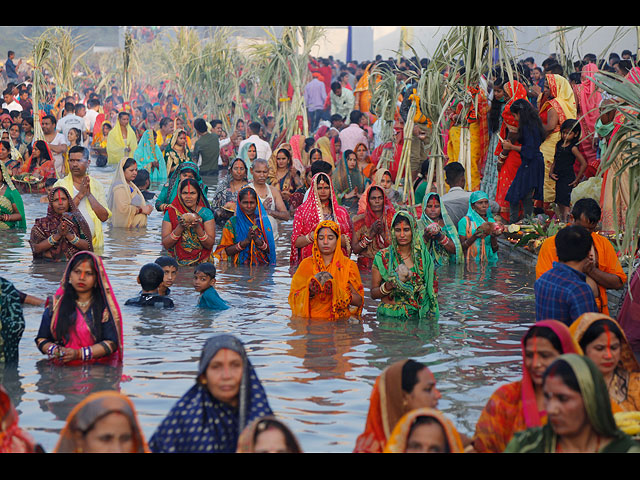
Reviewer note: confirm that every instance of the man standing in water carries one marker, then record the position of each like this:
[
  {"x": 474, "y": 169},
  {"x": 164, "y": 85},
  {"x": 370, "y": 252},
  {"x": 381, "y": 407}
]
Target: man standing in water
[{"x": 87, "y": 193}]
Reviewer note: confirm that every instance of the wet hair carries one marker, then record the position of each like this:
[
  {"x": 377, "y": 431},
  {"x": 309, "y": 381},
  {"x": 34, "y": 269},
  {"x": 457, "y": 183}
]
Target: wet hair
[
  {"x": 573, "y": 243},
  {"x": 270, "y": 423},
  {"x": 166, "y": 261},
  {"x": 207, "y": 268},
  {"x": 587, "y": 207},
  {"x": 547, "y": 334},
  {"x": 67, "y": 311},
  {"x": 410, "y": 371},
  {"x": 427, "y": 420},
  {"x": 128, "y": 162},
  {"x": 151, "y": 276},
  {"x": 561, "y": 368},
  {"x": 50, "y": 182},
  {"x": 142, "y": 177}
]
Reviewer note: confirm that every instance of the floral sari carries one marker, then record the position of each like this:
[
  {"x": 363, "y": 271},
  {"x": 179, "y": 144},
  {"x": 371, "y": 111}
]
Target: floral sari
[
  {"x": 415, "y": 296},
  {"x": 188, "y": 250},
  {"x": 334, "y": 299},
  {"x": 12, "y": 323},
  {"x": 44, "y": 227},
  {"x": 345, "y": 180},
  {"x": 10, "y": 197},
  {"x": 437, "y": 251},
  {"x": 174, "y": 158}
]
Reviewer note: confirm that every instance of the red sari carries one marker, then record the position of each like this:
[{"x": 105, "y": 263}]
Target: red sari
[
  {"x": 364, "y": 221},
  {"x": 12, "y": 438},
  {"x": 507, "y": 173},
  {"x": 309, "y": 215}
]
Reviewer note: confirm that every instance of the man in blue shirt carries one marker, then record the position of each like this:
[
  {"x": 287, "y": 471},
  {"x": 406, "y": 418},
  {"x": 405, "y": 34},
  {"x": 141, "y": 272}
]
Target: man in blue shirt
[
  {"x": 10, "y": 67},
  {"x": 562, "y": 293}
]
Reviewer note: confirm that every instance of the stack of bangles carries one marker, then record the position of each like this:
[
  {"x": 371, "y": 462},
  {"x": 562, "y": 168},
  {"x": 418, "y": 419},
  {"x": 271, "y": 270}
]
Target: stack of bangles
[
  {"x": 365, "y": 242},
  {"x": 51, "y": 349},
  {"x": 87, "y": 354},
  {"x": 204, "y": 237},
  {"x": 444, "y": 240},
  {"x": 52, "y": 241},
  {"x": 310, "y": 234},
  {"x": 383, "y": 290},
  {"x": 174, "y": 236}
]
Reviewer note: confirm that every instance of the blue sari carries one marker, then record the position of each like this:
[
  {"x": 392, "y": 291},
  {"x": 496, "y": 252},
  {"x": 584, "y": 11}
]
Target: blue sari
[
  {"x": 481, "y": 250},
  {"x": 200, "y": 423},
  {"x": 148, "y": 151}
]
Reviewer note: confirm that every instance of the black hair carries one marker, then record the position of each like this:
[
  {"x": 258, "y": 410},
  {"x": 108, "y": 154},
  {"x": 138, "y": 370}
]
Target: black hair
[
  {"x": 625, "y": 66},
  {"x": 410, "y": 371},
  {"x": 555, "y": 68},
  {"x": 427, "y": 420},
  {"x": 401, "y": 218},
  {"x": 50, "y": 182},
  {"x": 151, "y": 276},
  {"x": 575, "y": 77},
  {"x": 142, "y": 177},
  {"x": 570, "y": 125},
  {"x": 80, "y": 149},
  {"x": 323, "y": 177},
  {"x": 128, "y": 162},
  {"x": 335, "y": 86},
  {"x": 495, "y": 112},
  {"x": 255, "y": 127},
  {"x": 562, "y": 369},
  {"x": 348, "y": 152},
  {"x": 336, "y": 117},
  {"x": 93, "y": 102},
  {"x": 78, "y": 133},
  {"x": 596, "y": 329},
  {"x": 167, "y": 261},
  {"x": 207, "y": 268},
  {"x": 355, "y": 116},
  {"x": 587, "y": 207},
  {"x": 247, "y": 191},
  {"x": 529, "y": 59},
  {"x": 67, "y": 311},
  {"x": 453, "y": 172},
  {"x": 424, "y": 171},
  {"x": 573, "y": 243},
  {"x": 78, "y": 107},
  {"x": 42, "y": 146},
  {"x": 269, "y": 423},
  {"x": 50, "y": 117},
  {"x": 529, "y": 118},
  {"x": 547, "y": 334},
  {"x": 215, "y": 123},
  {"x": 164, "y": 121},
  {"x": 200, "y": 124},
  {"x": 314, "y": 150},
  {"x": 123, "y": 113},
  {"x": 320, "y": 166}
]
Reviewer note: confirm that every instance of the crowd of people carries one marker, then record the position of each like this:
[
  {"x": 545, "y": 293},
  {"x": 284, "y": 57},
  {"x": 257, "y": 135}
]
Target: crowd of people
[{"x": 223, "y": 197}]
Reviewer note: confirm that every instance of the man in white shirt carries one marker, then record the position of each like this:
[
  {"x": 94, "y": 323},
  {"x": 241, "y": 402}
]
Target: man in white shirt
[
  {"x": 263, "y": 148},
  {"x": 69, "y": 120},
  {"x": 342, "y": 100},
  {"x": 93, "y": 107},
  {"x": 57, "y": 143},
  {"x": 10, "y": 103}
]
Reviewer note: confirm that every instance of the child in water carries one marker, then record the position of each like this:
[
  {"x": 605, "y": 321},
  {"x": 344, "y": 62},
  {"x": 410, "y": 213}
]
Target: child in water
[
  {"x": 170, "y": 268},
  {"x": 150, "y": 278},
  {"x": 204, "y": 279},
  {"x": 48, "y": 185}
]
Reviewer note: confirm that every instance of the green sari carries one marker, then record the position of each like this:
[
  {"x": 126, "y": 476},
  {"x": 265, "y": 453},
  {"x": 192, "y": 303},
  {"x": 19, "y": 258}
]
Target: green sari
[
  {"x": 437, "y": 251},
  {"x": 10, "y": 197},
  {"x": 598, "y": 406},
  {"x": 170, "y": 189},
  {"x": 414, "y": 297},
  {"x": 480, "y": 250}
]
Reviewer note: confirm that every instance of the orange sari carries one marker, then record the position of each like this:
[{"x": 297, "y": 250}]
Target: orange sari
[
  {"x": 334, "y": 299},
  {"x": 399, "y": 437}
]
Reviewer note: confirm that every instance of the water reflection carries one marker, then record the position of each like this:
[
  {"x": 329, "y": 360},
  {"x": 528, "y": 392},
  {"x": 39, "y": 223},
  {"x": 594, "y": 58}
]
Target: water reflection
[{"x": 318, "y": 375}]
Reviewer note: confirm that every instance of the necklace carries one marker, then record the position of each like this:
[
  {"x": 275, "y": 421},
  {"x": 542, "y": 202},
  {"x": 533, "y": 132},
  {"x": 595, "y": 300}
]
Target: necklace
[{"x": 83, "y": 305}]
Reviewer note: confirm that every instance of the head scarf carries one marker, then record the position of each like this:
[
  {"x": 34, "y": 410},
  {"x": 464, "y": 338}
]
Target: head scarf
[
  {"x": 346, "y": 179},
  {"x": 11, "y": 195},
  {"x": 439, "y": 255},
  {"x": 216, "y": 425},
  {"x": 310, "y": 213},
  {"x": 172, "y": 157},
  {"x": 174, "y": 180},
  {"x": 12, "y": 438},
  {"x": 94, "y": 408},
  {"x": 377, "y": 179},
  {"x": 569, "y": 345},
  {"x": 339, "y": 269},
  {"x": 590, "y": 99},
  {"x": 188, "y": 250},
  {"x": 388, "y": 211},
  {"x": 386, "y": 407},
  {"x": 415, "y": 295},
  {"x": 147, "y": 152},
  {"x": 12, "y": 323},
  {"x": 111, "y": 311},
  {"x": 44, "y": 227},
  {"x": 481, "y": 249},
  {"x": 242, "y": 226},
  {"x": 119, "y": 181},
  {"x": 246, "y": 441},
  {"x": 328, "y": 149},
  {"x": 562, "y": 97},
  {"x": 516, "y": 91},
  {"x": 397, "y": 442},
  {"x": 297, "y": 150},
  {"x": 272, "y": 179}
]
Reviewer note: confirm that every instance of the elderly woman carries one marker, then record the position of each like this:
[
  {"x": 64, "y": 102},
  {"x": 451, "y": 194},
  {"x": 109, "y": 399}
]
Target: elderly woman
[
  {"x": 224, "y": 199},
  {"x": 226, "y": 397},
  {"x": 478, "y": 230}
]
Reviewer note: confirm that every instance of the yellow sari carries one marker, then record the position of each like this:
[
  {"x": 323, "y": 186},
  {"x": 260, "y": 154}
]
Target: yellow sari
[{"x": 117, "y": 145}]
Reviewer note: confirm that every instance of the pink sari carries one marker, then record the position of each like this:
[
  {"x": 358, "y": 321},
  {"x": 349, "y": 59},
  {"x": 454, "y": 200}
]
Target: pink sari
[
  {"x": 588, "y": 103},
  {"x": 309, "y": 214}
]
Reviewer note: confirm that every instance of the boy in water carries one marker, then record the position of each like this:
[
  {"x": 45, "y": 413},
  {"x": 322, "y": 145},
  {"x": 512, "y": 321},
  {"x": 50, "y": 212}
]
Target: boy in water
[
  {"x": 150, "y": 278},
  {"x": 170, "y": 268},
  {"x": 48, "y": 185},
  {"x": 204, "y": 279}
]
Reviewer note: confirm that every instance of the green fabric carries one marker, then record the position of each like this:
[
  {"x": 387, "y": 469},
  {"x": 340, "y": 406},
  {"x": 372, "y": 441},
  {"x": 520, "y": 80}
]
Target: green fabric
[
  {"x": 437, "y": 251},
  {"x": 13, "y": 196},
  {"x": 12, "y": 322},
  {"x": 476, "y": 220},
  {"x": 597, "y": 405},
  {"x": 415, "y": 297},
  {"x": 420, "y": 192},
  {"x": 207, "y": 146},
  {"x": 170, "y": 189}
]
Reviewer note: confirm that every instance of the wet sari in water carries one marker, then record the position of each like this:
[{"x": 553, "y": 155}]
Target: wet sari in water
[
  {"x": 437, "y": 251},
  {"x": 363, "y": 223},
  {"x": 170, "y": 189},
  {"x": 123, "y": 200},
  {"x": 148, "y": 152},
  {"x": 415, "y": 296},
  {"x": 480, "y": 250},
  {"x": 334, "y": 297}
]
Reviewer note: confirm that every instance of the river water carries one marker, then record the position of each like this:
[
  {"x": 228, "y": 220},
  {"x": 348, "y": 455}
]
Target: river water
[{"x": 318, "y": 375}]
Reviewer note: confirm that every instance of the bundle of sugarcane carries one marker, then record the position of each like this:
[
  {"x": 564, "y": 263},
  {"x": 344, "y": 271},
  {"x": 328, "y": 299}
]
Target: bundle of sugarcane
[
  {"x": 384, "y": 95},
  {"x": 40, "y": 52},
  {"x": 404, "y": 175},
  {"x": 64, "y": 57}
]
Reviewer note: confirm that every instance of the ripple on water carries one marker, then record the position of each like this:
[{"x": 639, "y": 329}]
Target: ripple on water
[{"x": 318, "y": 374}]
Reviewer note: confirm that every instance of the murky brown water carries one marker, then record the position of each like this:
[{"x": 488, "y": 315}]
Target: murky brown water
[{"x": 318, "y": 375}]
